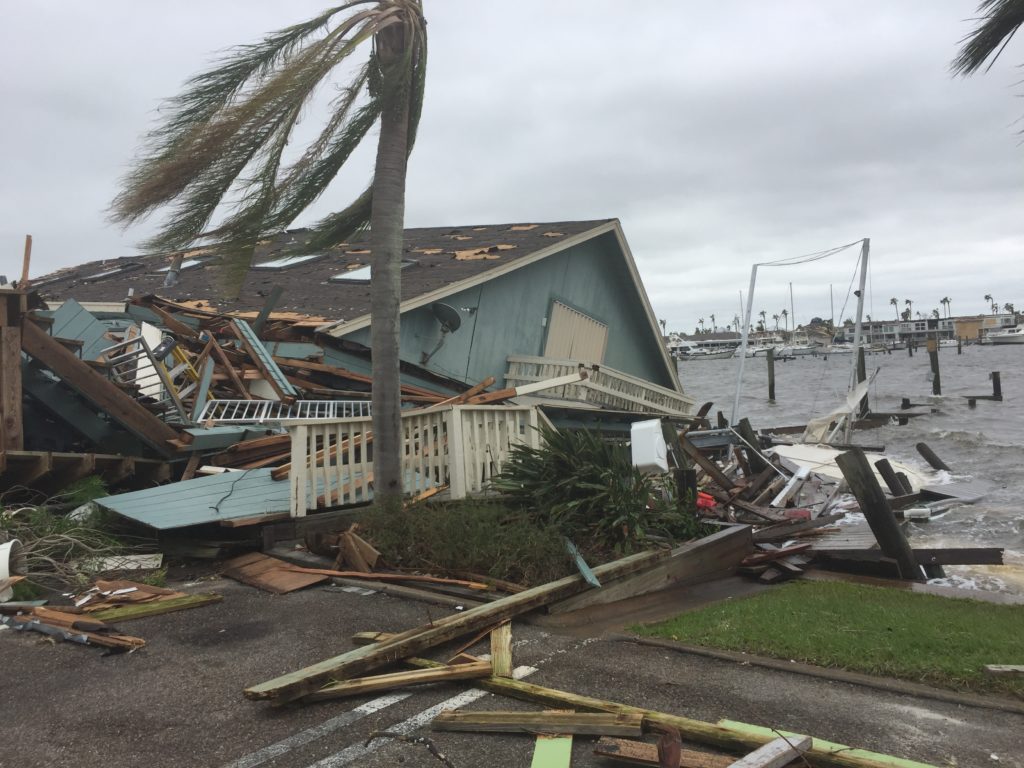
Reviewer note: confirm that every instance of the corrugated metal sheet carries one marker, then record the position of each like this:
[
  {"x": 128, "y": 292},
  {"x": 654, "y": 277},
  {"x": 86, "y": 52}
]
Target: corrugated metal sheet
[{"x": 203, "y": 499}]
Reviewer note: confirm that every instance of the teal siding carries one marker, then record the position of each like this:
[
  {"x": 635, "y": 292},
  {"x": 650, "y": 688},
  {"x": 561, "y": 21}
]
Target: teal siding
[{"x": 511, "y": 310}]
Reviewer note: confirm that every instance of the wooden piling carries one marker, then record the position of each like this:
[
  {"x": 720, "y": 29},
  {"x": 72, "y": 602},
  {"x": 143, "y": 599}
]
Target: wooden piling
[
  {"x": 931, "y": 457},
  {"x": 891, "y": 479},
  {"x": 771, "y": 374},
  {"x": 905, "y": 404},
  {"x": 875, "y": 507},
  {"x": 933, "y": 357},
  {"x": 959, "y": 345},
  {"x": 910, "y": 349},
  {"x": 905, "y": 482},
  {"x": 997, "y": 386}
]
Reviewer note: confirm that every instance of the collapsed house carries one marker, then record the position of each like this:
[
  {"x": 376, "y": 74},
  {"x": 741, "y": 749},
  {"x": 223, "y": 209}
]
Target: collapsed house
[{"x": 136, "y": 370}]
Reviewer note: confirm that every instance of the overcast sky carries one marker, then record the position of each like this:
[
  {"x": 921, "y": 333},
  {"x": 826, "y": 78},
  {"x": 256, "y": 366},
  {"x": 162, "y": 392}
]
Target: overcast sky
[{"x": 721, "y": 134}]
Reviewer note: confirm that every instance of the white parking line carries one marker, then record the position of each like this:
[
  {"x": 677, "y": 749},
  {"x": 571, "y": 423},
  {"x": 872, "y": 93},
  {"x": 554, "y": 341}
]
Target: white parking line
[
  {"x": 357, "y": 751},
  {"x": 311, "y": 734}
]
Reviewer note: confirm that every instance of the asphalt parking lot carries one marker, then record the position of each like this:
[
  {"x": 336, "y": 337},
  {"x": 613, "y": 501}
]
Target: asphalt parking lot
[{"x": 178, "y": 702}]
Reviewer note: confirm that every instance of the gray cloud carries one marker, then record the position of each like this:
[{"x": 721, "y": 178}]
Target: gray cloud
[{"x": 720, "y": 134}]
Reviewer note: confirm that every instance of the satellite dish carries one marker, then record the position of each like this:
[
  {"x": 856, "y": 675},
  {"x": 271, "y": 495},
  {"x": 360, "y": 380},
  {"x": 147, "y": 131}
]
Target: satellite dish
[{"x": 448, "y": 316}]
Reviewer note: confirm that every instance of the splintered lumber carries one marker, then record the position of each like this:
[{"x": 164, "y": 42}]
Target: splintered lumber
[
  {"x": 389, "y": 682},
  {"x": 642, "y": 753},
  {"x": 789, "y": 528},
  {"x": 360, "y": 660},
  {"x": 501, "y": 649},
  {"x": 775, "y": 754},
  {"x": 774, "y": 554},
  {"x": 142, "y": 610},
  {"x": 268, "y": 573},
  {"x": 384, "y": 576},
  {"x": 709, "y": 466},
  {"x": 861, "y": 479},
  {"x": 74, "y": 628},
  {"x": 727, "y": 735},
  {"x": 585, "y": 724}
]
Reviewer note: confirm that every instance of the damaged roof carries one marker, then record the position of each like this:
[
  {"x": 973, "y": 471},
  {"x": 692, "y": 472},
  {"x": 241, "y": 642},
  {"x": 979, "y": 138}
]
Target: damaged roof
[{"x": 332, "y": 284}]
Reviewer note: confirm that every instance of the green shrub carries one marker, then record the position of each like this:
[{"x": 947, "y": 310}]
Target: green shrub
[{"x": 588, "y": 489}]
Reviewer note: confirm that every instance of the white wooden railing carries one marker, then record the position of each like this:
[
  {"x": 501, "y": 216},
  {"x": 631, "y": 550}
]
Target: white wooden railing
[
  {"x": 605, "y": 387},
  {"x": 461, "y": 446}
]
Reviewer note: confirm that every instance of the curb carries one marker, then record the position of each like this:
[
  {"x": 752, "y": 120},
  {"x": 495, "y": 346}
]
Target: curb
[{"x": 887, "y": 684}]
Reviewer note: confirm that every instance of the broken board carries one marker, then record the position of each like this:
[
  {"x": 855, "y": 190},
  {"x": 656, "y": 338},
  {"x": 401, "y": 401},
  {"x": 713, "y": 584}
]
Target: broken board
[{"x": 268, "y": 573}]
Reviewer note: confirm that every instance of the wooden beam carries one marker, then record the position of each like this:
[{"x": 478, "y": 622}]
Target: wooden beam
[
  {"x": 709, "y": 466},
  {"x": 226, "y": 364},
  {"x": 580, "y": 724},
  {"x": 96, "y": 388},
  {"x": 26, "y": 261},
  {"x": 172, "y": 323},
  {"x": 775, "y": 754},
  {"x": 267, "y": 308},
  {"x": 119, "y": 613},
  {"x": 501, "y": 649},
  {"x": 642, "y": 753},
  {"x": 389, "y": 682},
  {"x": 356, "y": 662}
]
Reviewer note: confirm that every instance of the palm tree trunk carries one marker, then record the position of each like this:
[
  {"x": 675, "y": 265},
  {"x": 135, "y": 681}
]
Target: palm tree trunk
[{"x": 386, "y": 237}]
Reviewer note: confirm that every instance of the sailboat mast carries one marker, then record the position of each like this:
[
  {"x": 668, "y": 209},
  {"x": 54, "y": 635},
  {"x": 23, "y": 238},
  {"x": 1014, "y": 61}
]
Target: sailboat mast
[
  {"x": 858, "y": 328},
  {"x": 743, "y": 343},
  {"x": 792, "y": 309}
]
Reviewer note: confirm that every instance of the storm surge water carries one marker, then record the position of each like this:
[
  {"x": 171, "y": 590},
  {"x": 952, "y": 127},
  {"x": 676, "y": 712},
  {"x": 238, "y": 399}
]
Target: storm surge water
[{"x": 982, "y": 443}]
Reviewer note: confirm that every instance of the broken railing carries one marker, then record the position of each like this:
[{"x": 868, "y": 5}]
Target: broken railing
[
  {"x": 604, "y": 387},
  {"x": 459, "y": 446}
]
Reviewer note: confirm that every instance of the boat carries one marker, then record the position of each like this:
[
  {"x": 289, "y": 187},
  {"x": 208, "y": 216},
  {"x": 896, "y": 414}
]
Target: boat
[
  {"x": 1009, "y": 336},
  {"x": 708, "y": 354},
  {"x": 799, "y": 345},
  {"x": 838, "y": 349},
  {"x": 949, "y": 342}
]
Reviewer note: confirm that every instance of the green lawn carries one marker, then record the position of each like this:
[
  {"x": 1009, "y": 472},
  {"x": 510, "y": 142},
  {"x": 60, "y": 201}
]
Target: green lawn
[{"x": 876, "y": 630}]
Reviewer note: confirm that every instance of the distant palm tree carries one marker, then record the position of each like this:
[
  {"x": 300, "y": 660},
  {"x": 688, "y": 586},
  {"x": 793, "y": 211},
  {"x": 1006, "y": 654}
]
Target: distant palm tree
[
  {"x": 223, "y": 140},
  {"x": 785, "y": 319},
  {"x": 896, "y": 303},
  {"x": 1009, "y": 308},
  {"x": 664, "y": 327},
  {"x": 701, "y": 323},
  {"x": 776, "y": 319},
  {"x": 905, "y": 315},
  {"x": 991, "y": 301},
  {"x": 935, "y": 314},
  {"x": 764, "y": 318},
  {"x": 910, "y": 305},
  {"x": 945, "y": 301}
]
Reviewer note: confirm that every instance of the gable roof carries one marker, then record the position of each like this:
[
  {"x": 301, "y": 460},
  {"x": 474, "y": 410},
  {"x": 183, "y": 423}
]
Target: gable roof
[{"x": 439, "y": 256}]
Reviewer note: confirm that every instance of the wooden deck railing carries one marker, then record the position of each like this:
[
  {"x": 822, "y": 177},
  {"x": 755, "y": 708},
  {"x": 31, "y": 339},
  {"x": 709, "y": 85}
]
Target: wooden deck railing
[
  {"x": 461, "y": 446},
  {"x": 604, "y": 386}
]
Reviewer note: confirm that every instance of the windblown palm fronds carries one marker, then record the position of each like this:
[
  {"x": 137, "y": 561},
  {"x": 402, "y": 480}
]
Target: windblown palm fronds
[
  {"x": 999, "y": 21},
  {"x": 227, "y": 132}
]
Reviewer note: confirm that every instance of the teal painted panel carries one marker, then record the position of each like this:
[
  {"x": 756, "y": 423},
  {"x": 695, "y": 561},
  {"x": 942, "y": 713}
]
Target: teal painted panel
[
  {"x": 222, "y": 436},
  {"x": 362, "y": 366},
  {"x": 203, "y": 499},
  {"x": 296, "y": 350},
  {"x": 507, "y": 316},
  {"x": 71, "y": 321}
]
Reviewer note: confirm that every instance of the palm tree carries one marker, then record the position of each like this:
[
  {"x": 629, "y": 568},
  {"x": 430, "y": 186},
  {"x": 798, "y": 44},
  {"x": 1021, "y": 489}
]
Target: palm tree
[
  {"x": 896, "y": 303},
  {"x": 701, "y": 322},
  {"x": 910, "y": 305},
  {"x": 1008, "y": 308},
  {"x": 776, "y": 319},
  {"x": 945, "y": 301},
  {"x": 240, "y": 116},
  {"x": 905, "y": 315},
  {"x": 935, "y": 314},
  {"x": 999, "y": 20},
  {"x": 712, "y": 322},
  {"x": 991, "y": 301},
  {"x": 764, "y": 318},
  {"x": 664, "y": 327},
  {"x": 785, "y": 320}
]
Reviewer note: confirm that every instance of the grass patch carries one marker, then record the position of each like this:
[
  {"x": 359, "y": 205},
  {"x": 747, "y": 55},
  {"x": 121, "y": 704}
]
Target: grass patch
[
  {"x": 485, "y": 537},
  {"x": 877, "y": 630}
]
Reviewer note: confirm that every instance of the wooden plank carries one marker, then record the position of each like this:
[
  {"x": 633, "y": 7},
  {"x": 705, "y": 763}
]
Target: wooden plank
[
  {"x": 1005, "y": 670},
  {"x": 217, "y": 351},
  {"x": 97, "y": 389},
  {"x": 922, "y": 555},
  {"x": 389, "y": 682},
  {"x": 384, "y": 576},
  {"x": 581, "y": 724},
  {"x": 775, "y": 754},
  {"x": 119, "y": 613},
  {"x": 304, "y": 681},
  {"x": 552, "y": 751},
  {"x": 709, "y": 466},
  {"x": 695, "y": 561},
  {"x": 10, "y": 389},
  {"x": 501, "y": 649},
  {"x": 268, "y": 573},
  {"x": 641, "y": 753}
]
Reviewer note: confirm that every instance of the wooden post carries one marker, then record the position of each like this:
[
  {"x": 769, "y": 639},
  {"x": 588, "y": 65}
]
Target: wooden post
[
  {"x": 910, "y": 348},
  {"x": 889, "y": 475},
  {"x": 771, "y": 374},
  {"x": 722, "y": 421},
  {"x": 933, "y": 357},
  {"x": 25, "y": 261},
  {"x": 931, "y": 457},
  {"x": 862, "y": 374},
  {"x": 997, "y": 386},
  {"x": 757, "y": 461},
  {"x": 11, "y": 422},
  {"x": 905, "y": 404},
  {"x": 959, "y": 345},
  {"x": 875, "y": 507}
]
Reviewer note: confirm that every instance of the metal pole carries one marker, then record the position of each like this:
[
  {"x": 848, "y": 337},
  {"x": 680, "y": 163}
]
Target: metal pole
[
  {"x": 743, "y": 344},
  {"x": 864, "y": 250}
]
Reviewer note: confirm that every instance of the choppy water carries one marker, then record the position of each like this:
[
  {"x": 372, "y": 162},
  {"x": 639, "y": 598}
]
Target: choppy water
[{"x": 981, "y": 443}]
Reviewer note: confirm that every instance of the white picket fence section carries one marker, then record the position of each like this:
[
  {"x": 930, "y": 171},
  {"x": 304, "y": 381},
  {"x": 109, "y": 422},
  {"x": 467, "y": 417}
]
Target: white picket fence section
[{"x": 461, "y": 446}]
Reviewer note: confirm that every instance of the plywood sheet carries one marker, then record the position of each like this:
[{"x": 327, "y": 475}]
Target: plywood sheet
[{"x": 268, "y": 573}]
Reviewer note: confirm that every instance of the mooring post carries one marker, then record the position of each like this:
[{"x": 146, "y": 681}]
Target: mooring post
[
  {"x": 889, "y": 475},
  {"x": 997, "y": 386},
  {"x": 771, "y": 374},
  {"x": 862, "y": 374},
  {"x": 933, "y": 357},
  {"x": 959, "y": 345},
  {"x": 857, "y": 471},
  {"x": 931, "y": 457},
  {"x": 910, "y": 348},
  {"x": 905, "y": 404}
]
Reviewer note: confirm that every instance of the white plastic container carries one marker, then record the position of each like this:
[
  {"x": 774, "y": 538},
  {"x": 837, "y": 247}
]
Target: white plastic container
[
  {"x": 12, "y": 563},
  {"x": 650, "y": 454}
]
